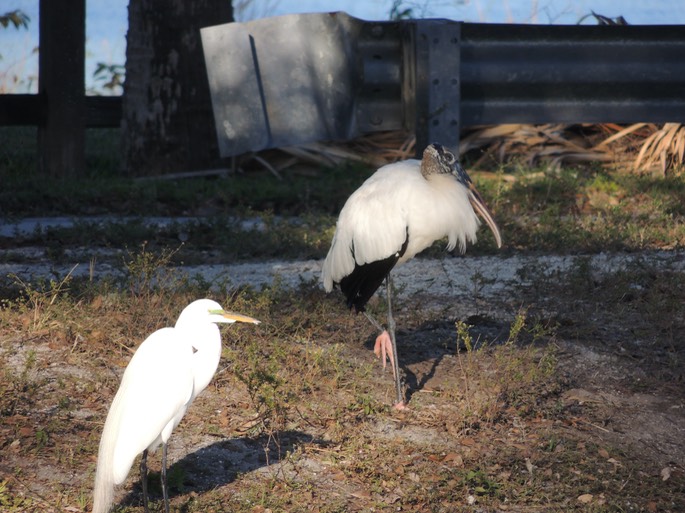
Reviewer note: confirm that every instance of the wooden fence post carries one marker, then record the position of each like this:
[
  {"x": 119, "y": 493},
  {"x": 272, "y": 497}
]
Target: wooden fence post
[{"x": 61, "y": 83}]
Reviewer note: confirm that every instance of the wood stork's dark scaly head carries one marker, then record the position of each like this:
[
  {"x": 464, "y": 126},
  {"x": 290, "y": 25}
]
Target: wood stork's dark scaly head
[{"x": 439, "y": 160}]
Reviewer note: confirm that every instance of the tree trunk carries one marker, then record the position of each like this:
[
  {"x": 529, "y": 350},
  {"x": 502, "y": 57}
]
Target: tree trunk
[{"x": 167, "y": 121}]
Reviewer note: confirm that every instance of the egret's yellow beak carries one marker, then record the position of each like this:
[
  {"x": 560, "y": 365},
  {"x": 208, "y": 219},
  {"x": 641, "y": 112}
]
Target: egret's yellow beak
[{"x": 234, "y": 317}]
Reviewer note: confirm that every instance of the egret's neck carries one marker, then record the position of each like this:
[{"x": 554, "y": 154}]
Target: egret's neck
[{"x": 206, "y": 342}]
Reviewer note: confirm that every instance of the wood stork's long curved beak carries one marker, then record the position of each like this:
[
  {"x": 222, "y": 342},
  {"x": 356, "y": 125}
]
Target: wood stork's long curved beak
[
  {"x": 477, "y": 201},
  {"x": 479, "y": 206},
  {"x": 235, "y": 317}
]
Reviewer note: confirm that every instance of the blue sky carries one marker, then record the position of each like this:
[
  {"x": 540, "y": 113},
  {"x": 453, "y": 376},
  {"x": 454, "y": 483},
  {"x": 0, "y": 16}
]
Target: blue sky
[{"x": 106, "y": 23}]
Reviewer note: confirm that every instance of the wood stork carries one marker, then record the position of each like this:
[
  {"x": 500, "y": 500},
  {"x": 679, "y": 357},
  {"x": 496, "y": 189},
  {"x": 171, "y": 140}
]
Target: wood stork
[
  {"x": 167, "y": 372},
  {"x": 396, "y": 213}
]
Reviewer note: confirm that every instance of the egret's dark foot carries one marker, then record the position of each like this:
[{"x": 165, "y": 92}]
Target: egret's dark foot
[{"x": 383, "y": 350}]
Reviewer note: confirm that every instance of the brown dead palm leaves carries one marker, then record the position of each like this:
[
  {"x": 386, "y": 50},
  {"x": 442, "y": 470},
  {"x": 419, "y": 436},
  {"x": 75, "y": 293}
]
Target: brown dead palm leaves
[
  {"x": 640, "y": 147},
  {"x": 643, "y": 147},
  {"x": 664, "y": 148}
]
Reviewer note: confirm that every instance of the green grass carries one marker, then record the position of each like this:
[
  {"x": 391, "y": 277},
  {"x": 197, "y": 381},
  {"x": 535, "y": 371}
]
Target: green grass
[
  {"x": 588, "y": 209},
  {"x": 106, "y": 190}
]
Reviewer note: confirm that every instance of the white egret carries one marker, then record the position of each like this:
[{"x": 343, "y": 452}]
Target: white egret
[
  {"x": 166, "y": 373},
  {"x": 396, "y": 213}
]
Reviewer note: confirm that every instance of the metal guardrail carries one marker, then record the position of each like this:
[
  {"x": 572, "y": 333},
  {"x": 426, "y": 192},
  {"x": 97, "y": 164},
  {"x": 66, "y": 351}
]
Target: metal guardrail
[
  {"x": 430, "y": 76},
  {"x": 568, "y": 74}
]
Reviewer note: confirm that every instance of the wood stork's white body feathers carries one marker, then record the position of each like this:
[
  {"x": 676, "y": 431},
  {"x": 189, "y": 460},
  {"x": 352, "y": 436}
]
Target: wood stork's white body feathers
[
  {"x": 399, "y": 211},
  {"x": 395, "y": 214},
  {"x": 167, "y": 372}
]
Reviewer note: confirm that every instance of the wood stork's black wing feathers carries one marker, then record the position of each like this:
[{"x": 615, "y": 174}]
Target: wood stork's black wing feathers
[{"x": 365, "y": 279}]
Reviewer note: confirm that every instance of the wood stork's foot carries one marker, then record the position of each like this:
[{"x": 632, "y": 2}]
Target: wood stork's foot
[
  {"x": 383, "y": 350},
  {"x": 401, "y": 406}
]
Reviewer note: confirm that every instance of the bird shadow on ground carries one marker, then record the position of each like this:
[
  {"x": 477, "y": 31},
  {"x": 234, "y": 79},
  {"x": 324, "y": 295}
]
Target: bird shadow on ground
[
  {"x": 216, "y": 465},
  {"x": 423, "y": 348}
]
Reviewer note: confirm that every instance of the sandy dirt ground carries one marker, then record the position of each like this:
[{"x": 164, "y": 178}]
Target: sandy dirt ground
[{"x": 621, "y": 395}]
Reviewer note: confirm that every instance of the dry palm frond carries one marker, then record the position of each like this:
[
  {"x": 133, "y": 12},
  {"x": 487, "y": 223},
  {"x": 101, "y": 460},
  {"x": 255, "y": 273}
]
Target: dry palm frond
[
  {"x": 553, "y": 143},
  {"x": 664, "y": 148},
  {"x": 620, "y": 133},
  {"x": 485, "y": 136},
  {"x": 640, "y": 145},
  {"x": 375, "y": 149}
]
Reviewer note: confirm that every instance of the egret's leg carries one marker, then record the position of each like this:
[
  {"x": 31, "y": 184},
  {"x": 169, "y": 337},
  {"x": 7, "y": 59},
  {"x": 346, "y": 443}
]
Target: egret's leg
[
  {"x": 165, "y": 491},
  {"x": 395, "y": 360},
  {"x": 143, "y": 479}
]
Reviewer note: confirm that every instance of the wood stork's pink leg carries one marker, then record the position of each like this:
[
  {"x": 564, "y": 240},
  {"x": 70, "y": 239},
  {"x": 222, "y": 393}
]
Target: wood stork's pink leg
[
  {"x": 383, "y": 349},
  {"x": 395, "y": 361}
]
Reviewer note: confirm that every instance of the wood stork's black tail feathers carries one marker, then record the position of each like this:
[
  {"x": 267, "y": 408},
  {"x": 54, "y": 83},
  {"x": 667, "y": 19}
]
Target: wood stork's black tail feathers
[
  {"x": 361, "y": 284},
  {"x": 364, "y": 281}
]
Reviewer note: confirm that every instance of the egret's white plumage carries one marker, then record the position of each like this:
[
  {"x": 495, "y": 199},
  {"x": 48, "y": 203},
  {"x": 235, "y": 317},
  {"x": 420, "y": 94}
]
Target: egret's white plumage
[
  {"x": 167, "y": 372},
  {"x": 402, "y": 209}
]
